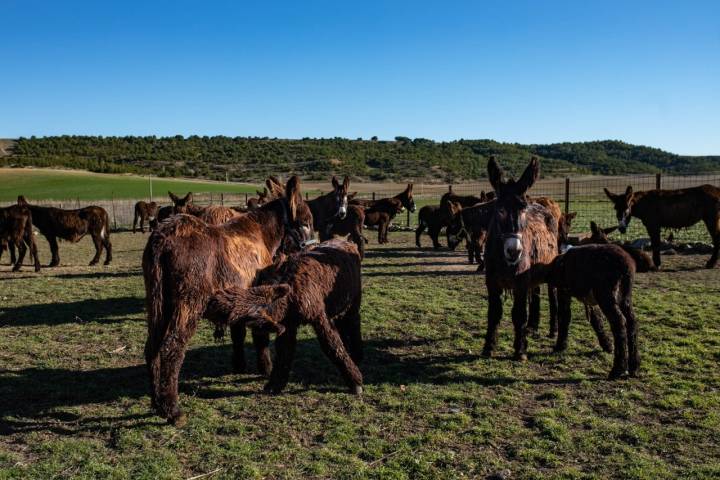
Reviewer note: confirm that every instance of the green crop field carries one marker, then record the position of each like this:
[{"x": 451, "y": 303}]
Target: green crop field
[
  {"x": 74, "y": 403},
  {"x": 42, "y": 184}
]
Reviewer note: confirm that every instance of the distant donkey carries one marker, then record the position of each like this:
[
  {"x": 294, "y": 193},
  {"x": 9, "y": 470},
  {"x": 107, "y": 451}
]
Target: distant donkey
[
  {"x": 144, "y": 212},
  {"x": 681, "y": 208},
  {"x": 381, "y": 212},
  {"x": 16, "y": 231},
  {"x": 72, "y": 225}
]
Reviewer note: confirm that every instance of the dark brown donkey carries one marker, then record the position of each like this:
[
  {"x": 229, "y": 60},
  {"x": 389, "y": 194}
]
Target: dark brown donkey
[
  {"x": 330, "y": 205},
  {"x": 520, "y": 235},
  {"x": 144, "y": 212},
  {"x": 321, "y": 287},
  {"x": 643, "y": 262},
  {"x": 599, "y": 275},
  {"x": 381, "y": 212},
  {"x": 681, "y": 208},
  {"x": 186, "y": 261},
  {"x": 471, "y": 223},
  {"x": 72, "y": 225},
  {"x": 351, "y": 226},
  {"x": 16, "y": 230}
]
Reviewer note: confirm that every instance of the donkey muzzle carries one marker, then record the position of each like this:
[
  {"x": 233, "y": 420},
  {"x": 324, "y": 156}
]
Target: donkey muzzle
[
  {"x": 512, "y": 249},
  {"x": 342, "y": 213}
]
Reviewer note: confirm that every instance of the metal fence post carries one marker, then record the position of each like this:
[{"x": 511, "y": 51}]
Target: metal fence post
[
  {"x": 567, "y": 195},
  {"x": 658, "y": 180}
]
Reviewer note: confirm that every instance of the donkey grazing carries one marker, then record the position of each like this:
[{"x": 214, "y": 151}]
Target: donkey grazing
[
  {"x": 320, "y": 287},
  {"x": 351, "y": 225},
  {"x": 681, "y": 208},
  {"x": 520, "y": 235},
  {"x": 16, "y": 230},
  {"x": 599, "y": 275},
  {"x": 72, "y": 225},
  {"x": 332, "y": 204},
  {"x": 186, "y": 262},
  {"x": 145, "y": 212},
  {"x": 380, "y": 212}
]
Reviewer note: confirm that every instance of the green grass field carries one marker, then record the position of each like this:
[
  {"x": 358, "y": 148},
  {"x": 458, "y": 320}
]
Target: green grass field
[
  {"x": 42, "y": 184},
  {"x": 74, "y": 404}
]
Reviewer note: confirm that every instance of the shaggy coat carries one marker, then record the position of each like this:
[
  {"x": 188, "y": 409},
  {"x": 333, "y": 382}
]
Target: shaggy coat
[
  {"x": 681, "y": 208},
  {"x": 643, "y": 262},
  {"x": 145, "y": 212},
  {"x": 429, "y": 218},
  {"x": 72, "y": 225},
  {"x": 351, "y": 226},
  {"x": 327, "y": 207},
  {"x": 186, "y": 261},
  {"x": 319, "y": 287},
  {"x": 599, "y": 275},
  {"x": 471, "y": 223},
  {"x": 16, "y": 230},
  {"x": 381, "y": 212},
  {"x": 520, "y": 235},
  {"x": 262, "y": 199}
]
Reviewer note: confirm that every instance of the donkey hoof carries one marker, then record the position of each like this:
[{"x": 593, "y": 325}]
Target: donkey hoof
[
  {"x": 272, "y": 388},
  {"x": 357, "y": 390},
  {"x": 486, "y": 353},
  {"x": 106, "y": 262},
  {"x": 560, "y": 348},
  {"x": 179, "y": 420},
  {"x": 94, "y": 262},
  {"x": 710, "y": 265},
  {"x": 617, "y": 374},
  {"x": 552, "y": 334},
  {"x": 521, "y": 357}
]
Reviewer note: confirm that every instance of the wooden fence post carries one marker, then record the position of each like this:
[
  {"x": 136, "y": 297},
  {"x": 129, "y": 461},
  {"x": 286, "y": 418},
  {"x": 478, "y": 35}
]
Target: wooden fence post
[
  {"x": 373, "y": 195},
  {"x": 408, "y": 217},
  {"x": 307, "y": 196},
  {"x": 450, "y": 188},
  {"x": 567, "y": 195},
  {"x": 658, "y": 180},
  {"x": 246, "y": 198}
]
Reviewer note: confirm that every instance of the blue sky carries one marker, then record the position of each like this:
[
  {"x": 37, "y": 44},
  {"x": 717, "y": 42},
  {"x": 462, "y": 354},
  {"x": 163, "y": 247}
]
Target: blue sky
[{"x": 646, "y": 72}]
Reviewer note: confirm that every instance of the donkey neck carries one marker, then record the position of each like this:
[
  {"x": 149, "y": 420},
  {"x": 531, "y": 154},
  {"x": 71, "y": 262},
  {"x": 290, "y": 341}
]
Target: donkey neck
[
  {"x": 271, "y": 219},
  {"x": 321, "y": 208}
]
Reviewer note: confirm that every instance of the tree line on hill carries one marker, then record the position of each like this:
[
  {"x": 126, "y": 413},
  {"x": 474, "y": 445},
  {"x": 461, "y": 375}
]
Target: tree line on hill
[{"x": 253, "y": 158}]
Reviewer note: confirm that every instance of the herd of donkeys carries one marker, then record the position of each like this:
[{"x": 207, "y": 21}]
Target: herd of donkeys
[{"x": 261, "y": 267}]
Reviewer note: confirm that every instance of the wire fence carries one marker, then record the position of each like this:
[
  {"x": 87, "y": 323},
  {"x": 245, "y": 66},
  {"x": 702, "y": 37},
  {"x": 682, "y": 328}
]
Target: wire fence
[{"x": 583, "y": 195}]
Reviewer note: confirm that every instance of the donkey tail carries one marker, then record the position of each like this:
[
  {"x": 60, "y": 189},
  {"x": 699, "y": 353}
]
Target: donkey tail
[{"x": 157, "y": 324}]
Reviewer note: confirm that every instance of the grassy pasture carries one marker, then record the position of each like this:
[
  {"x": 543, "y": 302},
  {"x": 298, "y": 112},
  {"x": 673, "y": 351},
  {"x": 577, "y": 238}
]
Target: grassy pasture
[
  {"x": 76, "y": 184},
  {"x": 73, "y": 400}
]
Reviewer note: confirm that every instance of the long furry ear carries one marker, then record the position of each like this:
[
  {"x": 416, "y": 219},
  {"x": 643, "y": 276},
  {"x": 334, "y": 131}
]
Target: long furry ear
[
  {"x": 571, "y": 216},
  {"x": 346, "y": 183},
  {"x": 530, "y": 175},
  {"x": 274, "y": 186},
  {"x": 495, "y": 173},
  {"x": 352, "y": 196},
  {"x": 609, "y": 230},
  {"x": 409, "y": 188},
  {"x": 628, "y": 192},
  {"x": 335, "y": 183},
  {"x": 173, "y": 197},
  {"x": 22, "y": 200},
  {"x": 292, "y": 193},
  {"x": 593, "y": 227},
  {"x": 188, "y": 198},
  {"x": 609, "y": 194}
]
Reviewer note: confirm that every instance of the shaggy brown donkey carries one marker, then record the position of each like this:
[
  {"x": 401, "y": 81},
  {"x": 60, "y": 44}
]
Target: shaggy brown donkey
[
  {"x": 72, "y": 225},
  {"x": 351, "y": 225},
  {"x": 16, "y": 230},
  {"x": 381, "y": 212},
  {"x": 599, "y": 275},
  {"x": 330, "y": 205},
  {"x": 681, "y": 208},
  {"x": 429, "y": 218},
  {"x": 186, "y": 261},
  {"x": 181, "y": 204},
  {"x": 145, "y": 212},
  {"x": 262, "y": 199},
  {"x": 472, "y": 224},
  {"x": 520, "y": 235},
  {"x": 320, "y": 287}
]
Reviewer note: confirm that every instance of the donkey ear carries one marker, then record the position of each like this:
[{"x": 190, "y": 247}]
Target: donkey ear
[
  {"x": 571, "y": 216},
  {"x": 610, "y": 195},
  {"x": 495, "y": 173},
  {"x": 594, "y": 228},
  {"x": 409, "y": 188},
  {"x": 346, "y": 183},
  {"x": 628, "y": 192},
  {"x": 455, "y": 208},
  {"x": 173, "y": 197},
  {"x": 530, "y": 175},
  {"x": 22, "y": 200},
  {"x": 335, "y": 183},
  {"x": 352, "y": 195},
  {"x": 188, "y": 198},
  {"x": 292, "y": 193}
]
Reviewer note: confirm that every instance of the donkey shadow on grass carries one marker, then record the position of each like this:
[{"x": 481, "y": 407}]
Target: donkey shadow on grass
[
  {"x": 105, "y": 310},
  {"x": 32, "y": 399}
]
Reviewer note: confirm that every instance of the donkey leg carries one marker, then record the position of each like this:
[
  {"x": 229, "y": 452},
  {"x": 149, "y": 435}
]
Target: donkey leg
[
  {"x": 21, "y": 256},
  {"x": 285, "y": 353},
  {"x": 135, "y": 220},
  {"x": 520, "y": 320},
  {"x": 237, "y": 334},
  {"x": 655, "y": 243},
  {"x": 612, "y": 312},
  {"x": 30, "y": 241},
  {"x": 495, "y": 308},
  {"x": 713, "y": 226},
  {"x": 98, "y": 242},
  {"x": 553, "y": 304},
  {"x": 54, "y": 250},
  {"x": 261, "y": 341},
  {"x": 418, "y": 231},
  {"x": 564, "y": 317},
  {"x": 108, "y": 248},
  {"x": 333, "y": 347},
  {"x": 632, "y": 331},
  {"x": 596, "y": 321},
  {"x": 434, "y": 232},
  {"x": 534, "y": 318},
  {"x": 351, "y": 333},
  {"x": 357, "y": 238}
]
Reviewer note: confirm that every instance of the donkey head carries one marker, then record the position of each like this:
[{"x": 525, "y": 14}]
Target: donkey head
[
  {"x": 258, "y": 307},
  {"x": 276, "y": 188},
  {"x": 623, "y": 207},
  {"x": 341, "y": 195},
  {"x": 597, "y": 234},
  {"x": 456, "y": 230},
  {"x": 299, "y": 220},
  {"x": 508, "y": 220},
  {"x": 406, "y": 198},
  {"x": 564, "y": 226},
  {"x": 262, "y": 197},
  {"x": 180, "y": 205}
]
